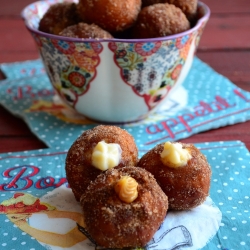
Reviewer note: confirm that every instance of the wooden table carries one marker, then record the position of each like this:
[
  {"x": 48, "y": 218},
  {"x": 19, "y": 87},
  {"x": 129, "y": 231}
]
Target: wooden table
[{"x": 225, "y": 46}]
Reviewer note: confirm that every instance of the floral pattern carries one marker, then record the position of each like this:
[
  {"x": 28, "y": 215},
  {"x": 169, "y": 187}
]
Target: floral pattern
[
  {"x": 76, "y": 79},
  {"x": 64, "y": 46},
  {"x": 151, "y": 68},
  {"x": 176, "y": 72},
  {"x": 182, "y": 41},
  {"x": 147, "y": 49},
  {"x": 71, "y": 66}
]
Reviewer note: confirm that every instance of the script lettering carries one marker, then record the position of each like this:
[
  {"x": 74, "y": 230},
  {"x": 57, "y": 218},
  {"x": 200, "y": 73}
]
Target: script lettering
[
  {"x": 28, "y": 92},
  {"x": 49, "y": 182},
  {"x": 203, "y": 109},
  {"x": 19, "y": 181},
  {"x": 238, "y": 93},
  {"x": 21, "y": 178}
]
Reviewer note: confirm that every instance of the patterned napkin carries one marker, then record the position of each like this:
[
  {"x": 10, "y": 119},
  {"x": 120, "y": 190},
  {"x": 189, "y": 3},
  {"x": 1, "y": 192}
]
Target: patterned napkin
[
  {"x": 205, "y": 101},
  {"x": 38, "y": 209}
]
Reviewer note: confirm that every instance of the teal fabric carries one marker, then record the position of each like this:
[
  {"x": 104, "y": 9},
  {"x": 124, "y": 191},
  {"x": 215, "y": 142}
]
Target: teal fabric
[
  {"x": 41, "y": 171},
  {"x": 22, "y": 69},
  {"x": 207, "y": 100}
]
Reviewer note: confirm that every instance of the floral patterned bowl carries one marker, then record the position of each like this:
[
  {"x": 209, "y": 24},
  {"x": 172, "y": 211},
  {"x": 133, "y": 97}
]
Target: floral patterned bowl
[{"x": 115, "y": 80}]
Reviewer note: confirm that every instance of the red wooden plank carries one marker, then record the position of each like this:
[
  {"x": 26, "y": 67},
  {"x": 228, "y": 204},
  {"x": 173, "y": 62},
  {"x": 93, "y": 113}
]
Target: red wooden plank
[
  {"x": 220, "y": 33},
  {"x": 226, "y": 32},
  {"x": 235, "y": 65},
  {"x": 238, "y": 131},
  {"x": 228, "y": 6},
  {"x": 17, "y": 38},
  {"x": 15, "y": 134},
  {"x": 11, "y": 125},
  {"x": 10, "y": 56},
  {"x": 14, "y": 7},
  {"x": 18, "y": 144}
]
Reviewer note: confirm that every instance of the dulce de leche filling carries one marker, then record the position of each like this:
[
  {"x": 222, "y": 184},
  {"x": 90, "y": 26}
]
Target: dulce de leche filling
[
  {"x": 106, "y": 155},
  {"x": 174, "y": 155},
  {"x": 126, "y": 188}
]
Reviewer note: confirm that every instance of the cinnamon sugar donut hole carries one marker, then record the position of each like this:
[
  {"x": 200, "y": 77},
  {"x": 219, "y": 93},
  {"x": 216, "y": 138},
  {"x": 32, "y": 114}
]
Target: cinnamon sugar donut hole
[
  {"x": 79, "y": 168},
  {"x": 58, "y": 17},
  {"x": 189, "y": 7},
  {"x": 186, "y": 186},
  {"x": 84, "y": 30},
  {"x": 111, "y": 15},
  {"x": 160, "y": 20},
  {"x": 113, "y": 223}
]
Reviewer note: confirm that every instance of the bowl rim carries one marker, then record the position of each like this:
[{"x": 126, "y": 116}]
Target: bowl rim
[{"x": 144, "y": 40}]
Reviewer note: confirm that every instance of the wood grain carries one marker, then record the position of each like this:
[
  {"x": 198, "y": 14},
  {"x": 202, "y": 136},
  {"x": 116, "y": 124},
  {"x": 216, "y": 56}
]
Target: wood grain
[
  {"x": 234, "y": 65},
  {"x": 226, "y": 33},
  {"x": 14, "y": 7},
  {"x": 233, "y": 7}
]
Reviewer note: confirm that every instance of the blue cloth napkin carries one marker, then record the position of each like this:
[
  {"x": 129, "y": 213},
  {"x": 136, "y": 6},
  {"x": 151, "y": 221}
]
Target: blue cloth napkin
[
  {"x": 205, "y": 101},
  {"x": 38, "y": 177},
  {"x": 37, "y": 206}
]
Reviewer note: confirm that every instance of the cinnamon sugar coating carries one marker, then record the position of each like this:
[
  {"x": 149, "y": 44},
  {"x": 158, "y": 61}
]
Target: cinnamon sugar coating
[
  {"x": 84, "y": 30},
  {"x": 160, "y": 20},
  {"x": 189, "y": 7},
  {"x": 79, "y": 169},
  {"x": 187, "y": 186},
  {"x": 58, "y": 17},
  {"x": 111, "y": 15},
  {"x": 113, "y": 223}
]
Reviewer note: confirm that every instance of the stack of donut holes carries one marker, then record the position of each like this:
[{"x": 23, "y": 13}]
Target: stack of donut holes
[
  {"x": 129, "y": 19},
  {"x": 110, "y": 221}
]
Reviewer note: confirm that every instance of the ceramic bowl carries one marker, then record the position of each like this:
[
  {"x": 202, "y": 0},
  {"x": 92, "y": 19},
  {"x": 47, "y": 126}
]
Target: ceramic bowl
[{"x": 115, "y": 80}]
